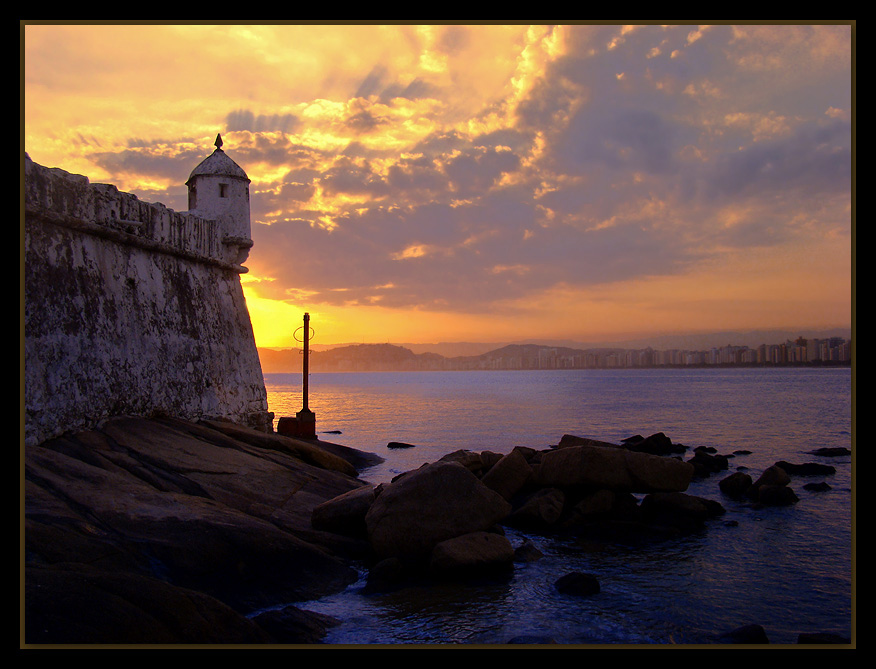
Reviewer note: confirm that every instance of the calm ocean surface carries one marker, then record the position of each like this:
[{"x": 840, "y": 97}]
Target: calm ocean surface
[{"x": 788, "y": 569}]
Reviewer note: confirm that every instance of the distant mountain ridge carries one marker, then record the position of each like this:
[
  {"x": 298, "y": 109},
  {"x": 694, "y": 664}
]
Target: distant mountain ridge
[{"x": 525, "y": 355}]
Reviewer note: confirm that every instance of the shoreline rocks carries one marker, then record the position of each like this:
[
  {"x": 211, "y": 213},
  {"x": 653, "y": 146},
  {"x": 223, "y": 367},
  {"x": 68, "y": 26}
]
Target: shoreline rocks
[{"x": 169, "y": 531}]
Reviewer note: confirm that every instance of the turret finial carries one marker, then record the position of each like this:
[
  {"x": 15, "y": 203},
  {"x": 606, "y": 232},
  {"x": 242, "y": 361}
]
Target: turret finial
[{"x": 218, "y": 141}]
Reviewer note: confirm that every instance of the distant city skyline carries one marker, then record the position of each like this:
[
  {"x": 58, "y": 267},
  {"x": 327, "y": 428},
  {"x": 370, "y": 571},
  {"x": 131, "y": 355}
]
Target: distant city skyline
[{"x": 485, "y": 183}]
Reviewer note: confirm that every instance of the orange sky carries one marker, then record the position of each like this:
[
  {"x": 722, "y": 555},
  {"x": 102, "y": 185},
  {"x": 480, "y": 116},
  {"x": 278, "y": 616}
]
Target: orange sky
[{"x": 484, "y": 183}]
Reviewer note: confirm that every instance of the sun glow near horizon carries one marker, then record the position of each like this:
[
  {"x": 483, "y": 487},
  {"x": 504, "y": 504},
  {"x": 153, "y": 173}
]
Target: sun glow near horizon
[{"x": 484, "y": 183}]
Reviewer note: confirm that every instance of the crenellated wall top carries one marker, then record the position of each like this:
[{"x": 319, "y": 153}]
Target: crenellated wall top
[{"x": 54, "y": 196}]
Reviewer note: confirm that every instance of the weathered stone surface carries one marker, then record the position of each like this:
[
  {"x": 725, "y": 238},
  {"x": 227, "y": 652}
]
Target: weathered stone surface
[
  {"x": 679, "y": 509},
  {"x": 80, "y": 604},
  {"x": 429, "y": 505},
  {"x": 748, "y": 634},
  {"x": 806, "y": 468},
  {"x": 345, "y": 514},
  {"x": 133, "y": 529},
  {"x": 468, "y": 459},
  {"x": 473, "y": 551},
  {"x": 735, "y": 485},
  {"x": 706, "y": 464},
  {"x": 130, "y": 308},
  {"x": 613, "y": 468},
  {"x": 573, "y": 440},
  {"x": 539, "y": 510},
  {"x": 776, "y": 495},
  {"x": 509, "y": 474}
]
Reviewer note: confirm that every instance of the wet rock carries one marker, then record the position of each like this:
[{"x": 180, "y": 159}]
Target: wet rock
[
  {"x": 736, "y": 485},
  {"x": 527, "y": 552},
  {"x": 614, "y": 468},
  {"x": 776, "y": 495},
  {"x": 167, "y": 530},
  {"x": 429, "y": 505},
  {"x": 476, "y": 551},
  {"x": 773, "y": 476},
  {"x": 540, "y": 510},
  {"x": 705, "y": 464},
  {"x": 686, "y": 512},
  {"x": 468, "y": 459},
  {"x": 656, "y": 444},
  {"x": 821, "y": 486},
  {"x": 399, "y": 444},
  {"x": 748, "y": 634},
  {"x": 578, "y": 583},
  {"x": 806, "y": 469},
  {"x": 509, "y": 475},
  {"x": 831, "y": 452},
  {"x": 571, "y": 440},
  {"x": 345, "y": 514},
  {"x": 295, "y": 626}
]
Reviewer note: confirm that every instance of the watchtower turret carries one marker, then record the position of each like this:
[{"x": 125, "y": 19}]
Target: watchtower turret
[{"x": 219, "y": 190}]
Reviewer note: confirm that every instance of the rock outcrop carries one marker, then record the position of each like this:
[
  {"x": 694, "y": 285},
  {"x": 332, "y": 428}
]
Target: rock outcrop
[{"x": 168, "y": 531}]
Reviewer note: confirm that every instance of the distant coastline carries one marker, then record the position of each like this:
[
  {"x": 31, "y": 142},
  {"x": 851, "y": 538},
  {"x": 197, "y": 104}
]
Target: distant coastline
[{"x": 806, "y": 352}]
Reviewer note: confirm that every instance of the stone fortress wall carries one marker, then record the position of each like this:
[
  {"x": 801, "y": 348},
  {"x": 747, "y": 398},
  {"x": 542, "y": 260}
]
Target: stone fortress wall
[{"x": 131, "y": 308}]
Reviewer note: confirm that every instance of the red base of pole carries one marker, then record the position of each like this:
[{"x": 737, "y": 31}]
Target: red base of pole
[{"x": 303, "y": 424}]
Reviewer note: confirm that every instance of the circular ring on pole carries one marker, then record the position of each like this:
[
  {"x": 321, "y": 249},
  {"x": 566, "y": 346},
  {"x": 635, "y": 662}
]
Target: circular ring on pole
[{"x": 309, "y": 338}]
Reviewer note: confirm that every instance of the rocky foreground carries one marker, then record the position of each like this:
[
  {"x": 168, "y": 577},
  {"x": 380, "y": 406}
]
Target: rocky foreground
[{"x": 164, "y": 531}]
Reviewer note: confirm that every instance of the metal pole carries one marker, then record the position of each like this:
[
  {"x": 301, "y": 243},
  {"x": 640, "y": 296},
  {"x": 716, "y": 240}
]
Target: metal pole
[{"x": 306, "y": 357}]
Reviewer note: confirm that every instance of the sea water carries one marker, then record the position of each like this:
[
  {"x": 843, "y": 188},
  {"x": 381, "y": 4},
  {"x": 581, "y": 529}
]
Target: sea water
[{"x": 788, "y": 569}]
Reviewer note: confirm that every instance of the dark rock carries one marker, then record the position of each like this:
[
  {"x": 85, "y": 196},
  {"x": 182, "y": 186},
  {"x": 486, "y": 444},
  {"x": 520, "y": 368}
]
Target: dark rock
[
  {"x": 571, "y": 440},
  {"x": 429, "y": 505},
  {"x": 614, "y": 468},
  {"x": 742, "y": 451},
  {"x": 540, "y": 510},
  {"x": 806, "y": 469},
  {"x": 527, "y": 552},
  {"x": 399, "y": 444},
  {"x": 749, "y": 634},
  {"x": 578, "y": 583},
  {"x": 772, "y": 476},
  {"x": 345, "y": 514},
  {"x": 776, "y": 495},
  {"x": 656, "y": 444},
  {"x": 468, "y": 459},
  {"x": 735, "y": 485},
  {"x": 79, "y": 604},
  {"x": 295, "y": 626},
  {"x": 166, "y": 530},
  {"x": 817, "y": 487},
  {"x": 476, "y": 551},
  {"x": 686, "y": 512},
  {"x": 509, "y": 475},
  {"x": 831, "y": 452},
  {"x": 706, "y": 464}
]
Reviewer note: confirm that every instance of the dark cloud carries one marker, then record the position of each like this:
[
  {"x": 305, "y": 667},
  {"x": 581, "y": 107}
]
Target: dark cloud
[
  {"x": 813, "y": 159},
  {"x": 243, "y": 119}
]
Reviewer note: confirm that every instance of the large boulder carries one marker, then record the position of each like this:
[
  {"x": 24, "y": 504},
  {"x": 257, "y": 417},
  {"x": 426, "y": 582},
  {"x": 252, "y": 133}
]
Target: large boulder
[
  {"x": 476, "y": 551},
  {"x": 508, "y": 476},
  {"x": 613, "y": 468},
  {"x": 434, "y": 503},
  {"x": 540, "y": 510},
  {"x": 345, "y": 514}
]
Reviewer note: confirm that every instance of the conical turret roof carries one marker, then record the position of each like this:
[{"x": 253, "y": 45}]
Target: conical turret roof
[{"x": 218, "y": 164}]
